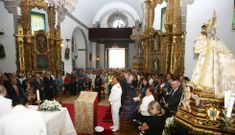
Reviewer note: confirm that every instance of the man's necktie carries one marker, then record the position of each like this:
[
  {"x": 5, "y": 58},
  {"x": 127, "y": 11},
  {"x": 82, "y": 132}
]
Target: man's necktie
[
  {"x": 172, "y": 93},
  {"x": 17, "y": 90}
]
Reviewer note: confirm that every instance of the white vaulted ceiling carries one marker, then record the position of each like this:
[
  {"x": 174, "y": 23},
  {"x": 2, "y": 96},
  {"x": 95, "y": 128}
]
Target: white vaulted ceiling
[{"x": 90, "y": 11}]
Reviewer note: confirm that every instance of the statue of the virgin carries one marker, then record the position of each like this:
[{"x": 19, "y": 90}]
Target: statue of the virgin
[{"x": 215, "y": 67}]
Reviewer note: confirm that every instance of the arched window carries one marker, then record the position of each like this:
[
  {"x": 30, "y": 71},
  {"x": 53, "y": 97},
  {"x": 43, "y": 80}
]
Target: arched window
[
  {"x": 117, "y": 20},
  {"x": 118, "y": 23}
]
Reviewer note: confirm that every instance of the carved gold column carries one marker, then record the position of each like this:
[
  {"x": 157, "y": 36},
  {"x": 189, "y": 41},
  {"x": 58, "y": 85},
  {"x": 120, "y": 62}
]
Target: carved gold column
[
  {"x": 52, "y": 44},
  {"x": 58, "y": 49},
  {"x": 25, "y": 10},
  {"x": 148, "y": 32},
  {"x": 20, "y": 34},
  {"x": 51, "y": 20},
  {"x": 28, "y": 49},
  {"x": 174, "y": 26},
  {"x": 20, "y": 40}
]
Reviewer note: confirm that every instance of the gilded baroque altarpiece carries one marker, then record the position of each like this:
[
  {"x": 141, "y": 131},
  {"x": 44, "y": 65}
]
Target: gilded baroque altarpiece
[{"x": 39, "y": 50}]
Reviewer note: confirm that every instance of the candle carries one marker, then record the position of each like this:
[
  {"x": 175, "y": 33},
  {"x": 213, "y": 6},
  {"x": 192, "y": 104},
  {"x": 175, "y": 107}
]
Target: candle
[
  {"x": 38, "y": 95},
  {"x": 230, "y": 107},
  {"x": 227, "y": 95}
]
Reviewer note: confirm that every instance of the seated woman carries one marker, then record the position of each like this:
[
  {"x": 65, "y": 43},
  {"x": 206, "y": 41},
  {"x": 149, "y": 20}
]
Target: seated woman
[
  {"x": 29, "y": 93},
  {"x": 155, "y": 125}
]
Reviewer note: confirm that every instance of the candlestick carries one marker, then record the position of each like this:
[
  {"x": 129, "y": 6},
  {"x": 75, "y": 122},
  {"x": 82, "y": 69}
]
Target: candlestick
[
  {"x": 230, "y": 107},
  {"x": 227, "y": 95},
  {"x": 38, "y": 95}
]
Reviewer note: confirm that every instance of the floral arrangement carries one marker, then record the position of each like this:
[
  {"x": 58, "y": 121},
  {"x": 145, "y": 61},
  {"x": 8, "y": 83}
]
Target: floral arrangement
[
  {"x": 170, "y": 123},
  {"x": 49, "y": 106}
]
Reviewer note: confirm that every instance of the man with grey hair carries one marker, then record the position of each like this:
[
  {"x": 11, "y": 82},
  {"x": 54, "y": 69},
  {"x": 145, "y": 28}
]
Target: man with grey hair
[{"x": 5, "y": 103}]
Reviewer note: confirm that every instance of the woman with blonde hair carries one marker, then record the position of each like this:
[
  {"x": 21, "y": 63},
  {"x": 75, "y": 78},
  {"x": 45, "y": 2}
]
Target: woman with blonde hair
[{"x": 156, "y": 124}]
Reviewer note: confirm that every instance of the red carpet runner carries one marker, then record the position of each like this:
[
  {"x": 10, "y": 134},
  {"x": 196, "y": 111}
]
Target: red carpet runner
[{"x": 101, "y": 114}]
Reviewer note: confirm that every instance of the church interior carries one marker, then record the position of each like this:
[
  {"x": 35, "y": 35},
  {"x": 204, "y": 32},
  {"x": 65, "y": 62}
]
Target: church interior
[{"x": 121, "y": 67}]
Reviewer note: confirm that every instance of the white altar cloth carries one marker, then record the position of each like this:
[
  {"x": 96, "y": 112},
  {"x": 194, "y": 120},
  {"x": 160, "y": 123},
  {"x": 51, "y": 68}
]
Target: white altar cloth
[{"x": 58, "y": 122}]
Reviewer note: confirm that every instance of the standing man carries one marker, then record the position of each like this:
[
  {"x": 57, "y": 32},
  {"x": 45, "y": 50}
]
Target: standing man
[
  {"x": 115, "y": 101},
  {"x": 37, "y": 84},
  {"x": 49, "y": 85}
]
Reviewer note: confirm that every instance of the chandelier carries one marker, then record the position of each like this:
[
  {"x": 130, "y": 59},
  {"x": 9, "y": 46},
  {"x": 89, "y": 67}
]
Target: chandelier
[{"x": 69, "y": 5}]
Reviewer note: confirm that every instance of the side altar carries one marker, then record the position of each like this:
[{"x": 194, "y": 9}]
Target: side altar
[{"x": 38, "y": 38}]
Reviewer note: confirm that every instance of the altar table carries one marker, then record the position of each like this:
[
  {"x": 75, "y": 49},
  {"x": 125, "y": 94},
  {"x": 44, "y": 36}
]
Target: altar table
[
  {"x": 58, "y": 122},
  {"x": 85, "y": 110}
]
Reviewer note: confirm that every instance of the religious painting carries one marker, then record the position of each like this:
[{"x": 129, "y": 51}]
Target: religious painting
[
  {"x": 163, "y": 19},
  {"x": 41, "y": 43},
  {"x": 233, "y": 22},
  {"x": 42, "y": 62},
  {"x": 38, "y": 22},
  {"x": 67, "y": 53},
  {"x": 2, "y": 51},
  {"x": 90, "y": 57}
]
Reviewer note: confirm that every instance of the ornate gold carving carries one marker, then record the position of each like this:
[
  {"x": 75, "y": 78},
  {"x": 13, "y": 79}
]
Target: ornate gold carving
[
  {"x": 170, "y": 55},
  {"x": 213, "y": 113},
  {"x": 206, "y": 117},
  {"x": 29, "y": 50},
  {"x": 39, "y": 4},
  {"x": 20, "y": 47}
]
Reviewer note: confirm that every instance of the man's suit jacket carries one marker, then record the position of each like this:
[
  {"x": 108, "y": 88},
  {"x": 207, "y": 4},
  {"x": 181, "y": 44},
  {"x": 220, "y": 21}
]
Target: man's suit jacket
[
  {"x": 48, "y": 83},
  {"x": 37, "y": 84},
  {"x": 12, "y": 92},
  {"x": 173, "y": 100}
]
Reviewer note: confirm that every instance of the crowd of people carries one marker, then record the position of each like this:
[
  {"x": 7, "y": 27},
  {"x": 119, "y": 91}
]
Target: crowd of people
[{"x": 158, "y": 94}]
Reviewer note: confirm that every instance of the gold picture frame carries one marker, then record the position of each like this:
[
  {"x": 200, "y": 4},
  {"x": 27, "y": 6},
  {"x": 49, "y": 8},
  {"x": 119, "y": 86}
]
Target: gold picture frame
[{"x": 233, "y": 21}]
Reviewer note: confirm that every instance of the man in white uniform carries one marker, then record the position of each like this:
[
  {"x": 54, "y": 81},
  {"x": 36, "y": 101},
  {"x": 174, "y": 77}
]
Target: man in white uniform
[
  {"x": 115, "y": 101},
  {"x": 22, "y": 121},
  {"x": 5, "y": 103}
]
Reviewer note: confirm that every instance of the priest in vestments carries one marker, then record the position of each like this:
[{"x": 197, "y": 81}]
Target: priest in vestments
[{"x": 22, "y": 121}]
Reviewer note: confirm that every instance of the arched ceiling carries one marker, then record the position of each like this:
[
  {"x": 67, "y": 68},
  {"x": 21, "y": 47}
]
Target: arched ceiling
[{"x": 90, "y": 11}]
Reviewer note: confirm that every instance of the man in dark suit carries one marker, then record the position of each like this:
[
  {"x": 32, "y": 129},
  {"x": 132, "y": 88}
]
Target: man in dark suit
[
  {"x": 14, "y": 90},
  {"x": 49, "y": 85},
  {"x": 37, "y": 84},
  {"x": 174, "y": 96}
]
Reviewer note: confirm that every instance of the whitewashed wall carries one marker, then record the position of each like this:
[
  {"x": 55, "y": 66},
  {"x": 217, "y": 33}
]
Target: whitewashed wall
[
  {"x": 7, "y": 64},
  {"x": 67, "y": 28},
  {"x": 198, "y": 13},
  {"x": 93, "y": 57},
  {"x": 80, "y": 48},
  {"x": 102, "y": 55}
]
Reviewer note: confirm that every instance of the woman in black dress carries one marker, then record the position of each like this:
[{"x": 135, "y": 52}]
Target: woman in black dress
[{"x": 155, "y": 125}]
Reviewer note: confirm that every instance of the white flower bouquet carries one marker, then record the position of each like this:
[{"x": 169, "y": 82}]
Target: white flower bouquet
[
  {"x": 50, "y": 106},
  {"x": 170, "y": 123}
]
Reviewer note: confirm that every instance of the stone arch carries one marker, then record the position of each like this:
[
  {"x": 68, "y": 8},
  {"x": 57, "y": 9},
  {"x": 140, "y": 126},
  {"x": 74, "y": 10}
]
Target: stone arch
[{"x": 79, "y": 47}]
